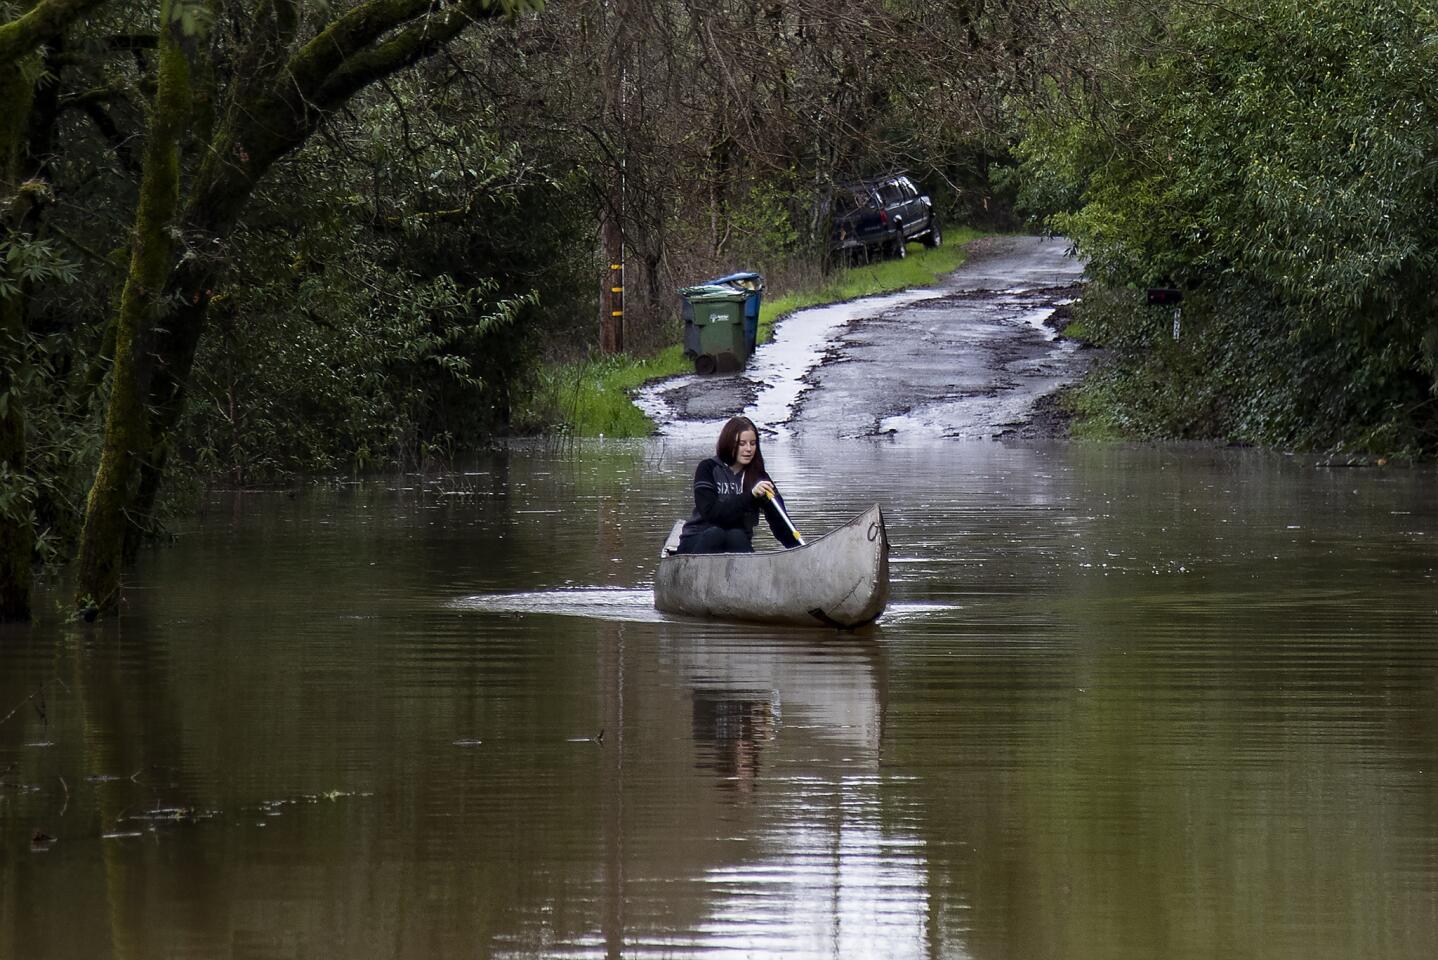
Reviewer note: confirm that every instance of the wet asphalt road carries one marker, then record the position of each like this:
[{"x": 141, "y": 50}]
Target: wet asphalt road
[{"x": 972, "y": 357}]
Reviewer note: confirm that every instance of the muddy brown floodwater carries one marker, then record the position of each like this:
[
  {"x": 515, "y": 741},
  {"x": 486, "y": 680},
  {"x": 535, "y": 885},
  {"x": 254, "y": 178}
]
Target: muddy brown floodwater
[{"x": 1128, "y": 702}]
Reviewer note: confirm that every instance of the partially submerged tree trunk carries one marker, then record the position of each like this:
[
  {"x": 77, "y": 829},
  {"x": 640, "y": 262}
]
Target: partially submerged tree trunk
[
  {"x": 129, "y": 434},
  {"x": 280, "y": 99}
]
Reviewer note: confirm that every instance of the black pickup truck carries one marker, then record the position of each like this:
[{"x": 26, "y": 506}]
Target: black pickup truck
[{"x": 881, "y": 215}]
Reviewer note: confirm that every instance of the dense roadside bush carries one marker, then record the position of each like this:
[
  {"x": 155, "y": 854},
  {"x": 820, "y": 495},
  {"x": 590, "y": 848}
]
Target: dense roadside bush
[
  {"x": 401, "y": 316},
  {"x": 1240, "y": 371},
  {"x": 1278, "y": 162}
]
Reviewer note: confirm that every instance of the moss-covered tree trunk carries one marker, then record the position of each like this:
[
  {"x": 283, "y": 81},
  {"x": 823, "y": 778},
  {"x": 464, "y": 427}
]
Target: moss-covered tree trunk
[
  {"x": 129, "y": 435},
  {"x": 41, "y": 22}
]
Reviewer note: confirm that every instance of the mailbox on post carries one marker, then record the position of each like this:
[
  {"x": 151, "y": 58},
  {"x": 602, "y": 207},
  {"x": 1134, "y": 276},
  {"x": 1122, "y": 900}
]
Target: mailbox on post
[{"x": 1168, "y": 297}]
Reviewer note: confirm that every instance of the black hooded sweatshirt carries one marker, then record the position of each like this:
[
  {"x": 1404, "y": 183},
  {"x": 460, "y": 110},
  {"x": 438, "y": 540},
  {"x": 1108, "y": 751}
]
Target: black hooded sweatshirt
[{"x": 720, "y": 501}]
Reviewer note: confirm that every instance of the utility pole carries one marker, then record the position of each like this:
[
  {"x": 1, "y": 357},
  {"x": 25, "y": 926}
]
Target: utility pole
[
  {"x": 611, "y": 294},
  {"x": 611, "y": 299}
]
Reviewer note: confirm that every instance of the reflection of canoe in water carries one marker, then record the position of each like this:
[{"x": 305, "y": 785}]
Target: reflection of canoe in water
[
  {"x": 827, "y": 691},
  {"x": 839, "y": 580}
]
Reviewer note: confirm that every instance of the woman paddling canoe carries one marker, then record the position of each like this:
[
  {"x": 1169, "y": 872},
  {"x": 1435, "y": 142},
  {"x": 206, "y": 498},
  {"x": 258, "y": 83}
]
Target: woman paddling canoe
[{"x": 730, "y": 489}]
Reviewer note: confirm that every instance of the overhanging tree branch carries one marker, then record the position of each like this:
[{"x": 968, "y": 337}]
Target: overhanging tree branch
[
  {"x": 405, "y": 48},
  {"x": 374, "y": 40},
  {"x": 41, "y": 25}
]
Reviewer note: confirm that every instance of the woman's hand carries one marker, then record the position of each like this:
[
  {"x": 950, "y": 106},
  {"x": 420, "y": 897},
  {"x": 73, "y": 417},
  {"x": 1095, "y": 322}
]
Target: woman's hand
[{"x": 763, "y": 489}]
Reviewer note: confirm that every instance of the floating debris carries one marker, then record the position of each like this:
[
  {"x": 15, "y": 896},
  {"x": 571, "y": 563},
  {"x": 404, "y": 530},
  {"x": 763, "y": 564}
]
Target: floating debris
[
  {"x": 333, "y": 795},
  {"x": 597, "y": 738},
  {"x": 174, "y": 815},
  {"x": 272, "y": 808}
]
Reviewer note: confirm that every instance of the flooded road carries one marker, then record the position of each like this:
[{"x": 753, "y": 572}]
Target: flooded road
[
  {"x": 1130, "y": 702},
  {"x": 968, "y": 358}
]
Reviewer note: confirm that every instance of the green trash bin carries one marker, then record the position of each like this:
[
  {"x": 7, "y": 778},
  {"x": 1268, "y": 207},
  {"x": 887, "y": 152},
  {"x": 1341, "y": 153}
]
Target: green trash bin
[{"x": 719, "y": 342}]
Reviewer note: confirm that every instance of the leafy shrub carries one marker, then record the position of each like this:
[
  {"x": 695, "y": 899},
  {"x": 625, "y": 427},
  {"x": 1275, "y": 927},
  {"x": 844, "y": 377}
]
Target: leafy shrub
[{"x": 1278, "y": 160}]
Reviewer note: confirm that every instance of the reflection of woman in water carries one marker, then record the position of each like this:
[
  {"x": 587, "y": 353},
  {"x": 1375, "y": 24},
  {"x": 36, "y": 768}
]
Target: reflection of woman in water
[
  {"x": 730, "y": 488},
  {"x": 734, "y": 730}
]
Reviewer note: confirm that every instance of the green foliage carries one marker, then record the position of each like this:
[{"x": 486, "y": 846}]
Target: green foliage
[
  {"x": 401, "y": 315},
  {"x": 31, "y": 261},
  {"x": 1279, "y": 160},
  {"x": 1240, "y": 371},
  {"x": 329, "y": 373},
  {"x": 190, "y": 18},
  {"x": 591, "y": 398},
  {"x": 17, "y": 492},
  {"x": 34, "y": 496},
  {"x": 764, "y": 218},
  {"x": 62, "y": 443}
]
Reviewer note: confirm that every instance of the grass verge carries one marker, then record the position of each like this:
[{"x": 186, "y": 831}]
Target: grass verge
[{"x": 591, "y": 398}]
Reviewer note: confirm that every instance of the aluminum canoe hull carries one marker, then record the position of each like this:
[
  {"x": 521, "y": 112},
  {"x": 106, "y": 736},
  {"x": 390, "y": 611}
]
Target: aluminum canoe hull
[{"x": 839, "y": 580}]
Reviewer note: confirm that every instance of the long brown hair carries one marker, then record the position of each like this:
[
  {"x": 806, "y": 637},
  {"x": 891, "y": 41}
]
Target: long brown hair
[{"x": 727, "y": 450}]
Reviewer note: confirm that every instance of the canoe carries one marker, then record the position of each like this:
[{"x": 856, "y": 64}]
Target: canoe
[{"x": 839, "y": 580}]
